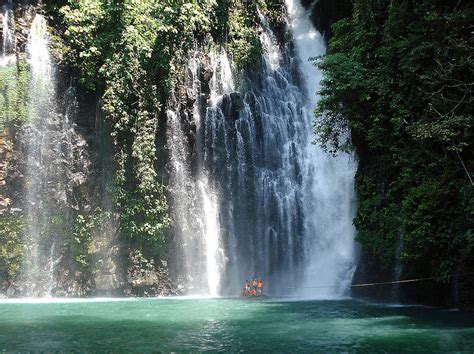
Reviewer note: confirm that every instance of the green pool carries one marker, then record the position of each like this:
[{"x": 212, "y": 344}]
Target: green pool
[{"x": 229, "y": 325}]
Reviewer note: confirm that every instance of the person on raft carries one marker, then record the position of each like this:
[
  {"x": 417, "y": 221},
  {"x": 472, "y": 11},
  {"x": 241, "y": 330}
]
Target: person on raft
[
  {"x": 247, "y": 288},
  {"x": 253, "y": 288},
  {"x": 254, "y": 283},
  {"x": 260, "y": 286}
]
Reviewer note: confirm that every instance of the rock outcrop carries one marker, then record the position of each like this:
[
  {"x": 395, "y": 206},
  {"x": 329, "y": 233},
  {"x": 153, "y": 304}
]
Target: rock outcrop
[{"x": 145, "y": 278}]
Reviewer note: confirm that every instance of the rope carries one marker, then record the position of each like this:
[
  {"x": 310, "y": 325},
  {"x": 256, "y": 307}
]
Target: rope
[{"x": 381, "y": 283}]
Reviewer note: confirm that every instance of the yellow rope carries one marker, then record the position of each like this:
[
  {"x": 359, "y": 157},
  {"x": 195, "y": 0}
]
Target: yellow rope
[{"x": 385, "y": 282}]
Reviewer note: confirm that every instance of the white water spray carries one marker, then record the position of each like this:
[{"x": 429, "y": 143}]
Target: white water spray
[
  {"x": 39, "y": 266},
  {"x": 212, "y": 236},
  {"x": 8, "y": 41},
  {"x": 39, "y": 58},
  {"x": 222, "y": 81},
  {"x": 196, "y": 200},
  {"x": 329, "y": 184},
  {"x": 51, "y": 269},
  {"x": 260, "y": 190}
]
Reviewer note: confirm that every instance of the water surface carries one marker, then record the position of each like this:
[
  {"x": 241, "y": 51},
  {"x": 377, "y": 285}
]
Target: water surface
[{"x": 229, "y": 325}]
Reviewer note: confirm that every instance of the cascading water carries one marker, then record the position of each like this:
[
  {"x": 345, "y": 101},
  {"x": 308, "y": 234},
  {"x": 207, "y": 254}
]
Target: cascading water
[
  {"x": 55, "y": 167},
  {"x": 39, "y": 264},
  {"x": 211, "y": 235},
  {"x": 195, "y": 199},
  {"x": 8, "y": 38},
  {"x": 106, "y": 245},
  {"x": 330, "y": 198},
  {"x": 196, "y": 216},
  {"x": 397, "y": 270},
  {"x": 49, "y": 177},
  {"x": 281, "y": 208},
  {"x": 221, "y": 83}
]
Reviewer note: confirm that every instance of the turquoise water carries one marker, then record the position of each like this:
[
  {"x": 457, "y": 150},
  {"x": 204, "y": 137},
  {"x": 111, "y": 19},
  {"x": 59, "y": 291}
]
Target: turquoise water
[{"x": 230, "y": 325}]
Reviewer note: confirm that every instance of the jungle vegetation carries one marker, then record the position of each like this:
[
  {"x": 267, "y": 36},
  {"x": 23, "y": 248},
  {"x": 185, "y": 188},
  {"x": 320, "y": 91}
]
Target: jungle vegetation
[{"x": 398, "y": 90}]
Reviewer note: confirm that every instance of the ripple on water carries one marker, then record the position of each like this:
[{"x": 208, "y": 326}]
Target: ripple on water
[{"x": 228, "y": 325}]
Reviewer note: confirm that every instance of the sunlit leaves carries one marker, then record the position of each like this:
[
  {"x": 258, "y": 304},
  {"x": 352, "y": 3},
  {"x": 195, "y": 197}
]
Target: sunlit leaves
[
  {"x": 400, "y": 77},
  {"x": 131, "y": 47}
]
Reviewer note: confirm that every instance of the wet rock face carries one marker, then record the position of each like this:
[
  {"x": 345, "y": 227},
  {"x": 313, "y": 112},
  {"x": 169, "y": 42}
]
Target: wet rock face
[
  {"x": 231, "y": 105},
  {"x": 205, "y": 77},
  {"x": 465, "y": 288},
  {"x": 325, "y": 13},
  {"x": 456, "y": 293},
  {"x": 60, "y": 169},
  {"x": 6, "y": 157},
  {"x": 145, "y": 278},
  {"x": 184, "y": 100},
  {"x": 64, "y": 168},
  {"x": 56, "y": 171},
  {"x": 369, "y": 270},
  {"x": 47, "y": 184},
  {"x": 21, "y": 16}
]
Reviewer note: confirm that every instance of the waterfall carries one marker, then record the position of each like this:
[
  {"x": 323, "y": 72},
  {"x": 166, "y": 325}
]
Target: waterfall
[
  {"x": 39, "y": 165},
  {"x": 195, "y": 198},
  {"x": 397, "y": 269},
  {"x": 195, "y": 215},
  {"x": 331, "y": 201},
  {"x": 53, "y": 167},
  {"x": 43, "y": 79},
  {"x": 252, "y": 196},
  {"x": 8, "y": 38},
  {"x": 109, "y": 275},
  {"x": 211, "y": 236},
  {"x": 52, "y": 264},
  {"x": 7, "y": 65}
]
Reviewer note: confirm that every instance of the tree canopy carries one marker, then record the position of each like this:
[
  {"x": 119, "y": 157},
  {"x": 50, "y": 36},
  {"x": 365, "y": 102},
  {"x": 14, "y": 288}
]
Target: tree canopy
[{"x": 398, "y": 88}]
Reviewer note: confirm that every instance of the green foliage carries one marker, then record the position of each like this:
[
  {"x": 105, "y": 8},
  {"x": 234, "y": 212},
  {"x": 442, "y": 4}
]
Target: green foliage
[
  {"x": 78, "y": 244},
  {"x": 399, "y": 77},
  {"x": 243, "y": 41},
  {"x": 378, "y": 224},
  {"x": 237, "y": 23},
  {"x": 133, "y": 51},
  {"x": 274, "y": 11},
  {"x": 87, "y": 38},
  {"x": 100, "y": 32},
  {"x": 53, "y": 6},
  {"x": 85, "y": 226},
  {"x": 13, "y": 94},
  {"x": 11, "y": 246}
]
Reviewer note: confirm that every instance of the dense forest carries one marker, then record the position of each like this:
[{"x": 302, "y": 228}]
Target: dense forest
[
  {"x": 399, "y": 78},
  {"x": 397, "y": 92},
  {"x": 128, "y": 61}
]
